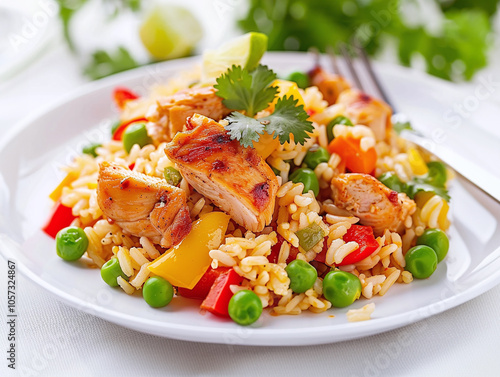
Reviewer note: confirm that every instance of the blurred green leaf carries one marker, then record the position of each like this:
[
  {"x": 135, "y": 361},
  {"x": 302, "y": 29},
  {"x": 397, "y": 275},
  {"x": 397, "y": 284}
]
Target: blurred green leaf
[
  {"x": 104, "y": 64},
  {"x": 456, "y": 51},
  {"x": 67, "y": 8}
]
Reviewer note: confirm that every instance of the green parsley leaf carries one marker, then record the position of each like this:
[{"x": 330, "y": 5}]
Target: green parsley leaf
[
  {"x": 414, "y": 187},
  {"x": 243, "y": 128},
  {"x": 248, "y": 91},
  {"x": 400, "y": 126},
  {"x": 288, "y": 118},
  {"x": 105, "y": 64}
]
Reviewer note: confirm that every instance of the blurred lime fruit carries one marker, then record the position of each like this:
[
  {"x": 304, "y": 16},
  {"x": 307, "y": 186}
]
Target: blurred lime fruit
[
  {"x": 170, "y": 31},
  {"x": 246, "y": 51}
]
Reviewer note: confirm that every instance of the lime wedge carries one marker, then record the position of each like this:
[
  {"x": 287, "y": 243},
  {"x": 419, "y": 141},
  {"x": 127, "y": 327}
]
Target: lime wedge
[
  {"x": 246, "y": 51},
  {"x": 169, "y": 31}
]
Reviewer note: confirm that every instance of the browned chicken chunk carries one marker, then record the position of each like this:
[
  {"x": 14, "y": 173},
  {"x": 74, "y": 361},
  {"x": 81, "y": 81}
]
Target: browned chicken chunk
[
  {"x": 235, "y": 178},
  {"x": 329, "y": 84},
  {"x": 366, "y": 110},
  {"x": 171, "y": 113},
  {"x": 142, "y": 205},
  {"x": 374, "y": 203}
]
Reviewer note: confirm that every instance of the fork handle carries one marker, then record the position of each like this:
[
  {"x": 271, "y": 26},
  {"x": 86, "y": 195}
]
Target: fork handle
[{"x": 475, "y": 174}]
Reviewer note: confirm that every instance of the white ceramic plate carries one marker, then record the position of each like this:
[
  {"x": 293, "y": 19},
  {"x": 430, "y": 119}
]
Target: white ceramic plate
[{"x": 30, "y": 158}]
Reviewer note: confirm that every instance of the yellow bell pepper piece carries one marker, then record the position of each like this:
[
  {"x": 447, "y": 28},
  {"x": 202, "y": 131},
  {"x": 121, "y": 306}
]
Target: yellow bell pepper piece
[
  {"x": 286, "y": 88},
  {"x": 417, "y": 163},
  {"x": 266, "y": 145},
  {"x": 68, "y": 180},
  {"x": 184, "y": 264}
]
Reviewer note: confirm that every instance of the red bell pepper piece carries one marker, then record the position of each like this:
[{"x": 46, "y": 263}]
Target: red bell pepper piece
[
  {"x": 363, "y": 236},
  {"x": 118, "y": 135},
  {"x": 60, "y": 218},
  {"x": 275, "y": 251},
  {"x": 122, "y": 95},
  {"x": 217, "y": 301},
  {"x": 321, "y": 256},
  {"x": 202, "y": 288}
]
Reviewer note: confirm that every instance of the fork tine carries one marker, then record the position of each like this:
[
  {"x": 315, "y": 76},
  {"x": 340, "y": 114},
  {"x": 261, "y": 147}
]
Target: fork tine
[
  {"x": 315, "y": 52},
  {"x": 350, "y": 65},
  {"x": 333, "y": 59},
  {"x": 369, "y": 68}
]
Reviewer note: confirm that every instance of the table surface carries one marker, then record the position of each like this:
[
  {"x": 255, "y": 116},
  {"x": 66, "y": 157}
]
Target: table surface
[{"x": 57, "y": 340}]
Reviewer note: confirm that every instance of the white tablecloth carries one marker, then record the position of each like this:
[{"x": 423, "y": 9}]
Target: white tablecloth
[{"x": 57, "y": 340}]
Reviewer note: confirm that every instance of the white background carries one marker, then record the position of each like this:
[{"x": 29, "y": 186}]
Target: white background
[{"x": 57, "y": 340}]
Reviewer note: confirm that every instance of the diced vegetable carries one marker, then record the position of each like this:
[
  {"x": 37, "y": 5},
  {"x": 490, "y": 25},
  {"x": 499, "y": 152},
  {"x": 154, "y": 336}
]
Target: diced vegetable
[
  {"x": 315, "y": 156},
  {"x": 363, "y": 236},
  {"x": 266, "y": 145},
  {"x": 201, "y": 289},
  {"x": 122, "y": 95},
  {"x": 356, "y": 159},
  {"x": 71, "y": 243},
  {"x": 136, "y": 134},
  {"x": 245, "y": 307},
  {"x": 416, "y": 161},
  {"x": 60, "y": 218},
  {"x": 310, "y": 236},
  {"x": 341, "y": 288},
  {"x": 110, "y": 272},
  {"x": 337, "y": 120},
  {"x": 302, "y": 275},
  {"x": 68, "y": 180},
  {"x": 308, "y": 178},
  {"x": 437, "y": 175},
  {"x": 300, "y": 78},
  {"x": 437, "y": 240},
  {"x": 91, "y": 149},
  {"x": 185, "y": 264},
  {"x": 120, "y": 129},
  {"x": 157, "y": 292},
  {"x": 217, "y": 300},
  {"x": 286, "y": 88},
  {"x": 421, "y": 261},
  {"x": 172, "y": 176}
]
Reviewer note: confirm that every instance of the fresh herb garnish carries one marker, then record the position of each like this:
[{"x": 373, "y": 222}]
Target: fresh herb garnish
[
  {"x": 400, "y": 126},
  {"x": 248, "y": 91},
  {"x": 252, "y": 92}
]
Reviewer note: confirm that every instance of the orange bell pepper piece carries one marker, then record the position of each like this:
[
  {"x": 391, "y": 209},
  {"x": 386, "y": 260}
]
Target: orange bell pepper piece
[{"x": 356, "y": 159}]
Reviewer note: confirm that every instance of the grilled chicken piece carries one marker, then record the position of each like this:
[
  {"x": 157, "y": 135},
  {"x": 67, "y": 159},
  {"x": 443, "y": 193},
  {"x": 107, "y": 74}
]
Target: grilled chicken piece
[
  {"x": 374, "y": 203},
  {"x": 235, "y": 178},
  {"x": 169, "y": 115},
  {"x": 371, "y": 112},
  {"x": 329, "y": 84},
  {"x": 143, "y": 205}
]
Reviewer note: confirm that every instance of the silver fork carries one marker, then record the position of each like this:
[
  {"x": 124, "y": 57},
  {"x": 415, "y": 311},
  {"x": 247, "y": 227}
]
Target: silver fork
[{"x": 471, "y": 172}]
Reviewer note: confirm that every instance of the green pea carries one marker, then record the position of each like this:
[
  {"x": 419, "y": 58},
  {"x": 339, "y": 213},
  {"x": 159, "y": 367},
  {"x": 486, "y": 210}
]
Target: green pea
[
  {"x": 310, "y": 236},
  {"x": 437, "y": 240},
  {"x": 392, "y": 181},
  {"x": 302, "y": 275},
  {"x": 110, "y": 272},
  {"x": 315, "y": 156},
  {"x": 421, "y": 261},
  {"x": 308, "y": 178},
  {"x": 91, "y": 149},
  {"x": 172, "y": 176},
  {"x": 71, "y": 243},
  {"x": 341, "y": 288},
  {"x": 136, "y": 134},
  {"x": 157, "y": 292},
  {"x": 437, "y": 175},
  {"x": 245, "y": 307},
  {"x": 337, "y": 120},
  {"x": 115, "y": 126},
  {"x": 300, "y": 78}
]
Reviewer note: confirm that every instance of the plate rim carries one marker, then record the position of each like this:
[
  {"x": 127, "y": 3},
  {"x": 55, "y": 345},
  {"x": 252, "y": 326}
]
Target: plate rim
[{"x": 257, "y": 336}]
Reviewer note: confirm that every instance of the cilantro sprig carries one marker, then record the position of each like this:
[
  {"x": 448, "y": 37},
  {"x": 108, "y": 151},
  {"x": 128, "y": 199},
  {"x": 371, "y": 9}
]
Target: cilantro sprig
[{"x": 252, "y": 92}]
